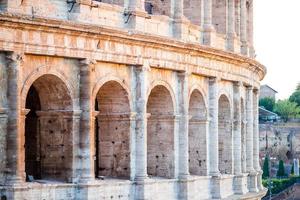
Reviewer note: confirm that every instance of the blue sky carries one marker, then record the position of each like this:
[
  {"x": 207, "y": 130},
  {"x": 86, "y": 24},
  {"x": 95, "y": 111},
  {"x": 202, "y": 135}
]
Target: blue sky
[{"x": 277, "y": 42}]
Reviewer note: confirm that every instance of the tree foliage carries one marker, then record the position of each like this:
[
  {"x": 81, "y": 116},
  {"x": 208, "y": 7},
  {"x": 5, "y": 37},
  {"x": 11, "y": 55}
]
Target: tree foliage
[
  {"x": 280, "y": 172},
  {"x": 295, "y": 97},
  {"x": 266, "y": 169},
  {"x": 286, "y": 109},
  {"x": 268, "y": 103}
]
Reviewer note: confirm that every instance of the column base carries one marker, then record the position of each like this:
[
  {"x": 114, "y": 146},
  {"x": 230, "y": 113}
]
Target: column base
[
  {"x": 15, "y": 180},
  {"x": 180, "y": 29},
  {"x": 86, "y": 179},
  {"x": 260, "y": 186},
  {"x": 141, "y": 179},
  {"x": 240, "y": 184},
  {"x": 208, "y": 35},
  {"x": 244, "y": 49},
  {"x": 252, "y": 181}
]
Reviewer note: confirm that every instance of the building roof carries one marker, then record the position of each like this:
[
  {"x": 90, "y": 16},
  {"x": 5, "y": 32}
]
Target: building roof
[
  {"x": 264, "y": 112},
  {"x": 269, "y": 87}
]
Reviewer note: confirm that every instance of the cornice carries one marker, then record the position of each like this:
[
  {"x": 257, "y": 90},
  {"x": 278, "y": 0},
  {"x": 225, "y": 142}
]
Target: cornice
[{"x": 128, "y": 36}]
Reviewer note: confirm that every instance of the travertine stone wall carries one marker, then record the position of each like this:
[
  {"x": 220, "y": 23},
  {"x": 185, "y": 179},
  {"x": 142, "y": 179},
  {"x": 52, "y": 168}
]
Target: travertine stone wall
[{"x": 106, "y": 89}]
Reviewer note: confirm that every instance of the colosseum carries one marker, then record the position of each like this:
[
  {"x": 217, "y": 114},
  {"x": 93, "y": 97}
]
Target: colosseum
[{"x": 129, "y": 99}]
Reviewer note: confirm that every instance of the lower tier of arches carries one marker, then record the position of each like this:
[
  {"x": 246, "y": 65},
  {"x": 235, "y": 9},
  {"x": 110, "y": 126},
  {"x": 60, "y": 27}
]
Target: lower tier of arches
[{"x": 194, "y": 187}]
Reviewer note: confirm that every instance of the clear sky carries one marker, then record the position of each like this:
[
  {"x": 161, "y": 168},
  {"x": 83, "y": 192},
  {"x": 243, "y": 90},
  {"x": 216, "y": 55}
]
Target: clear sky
[{"x": 277, "y": 43}]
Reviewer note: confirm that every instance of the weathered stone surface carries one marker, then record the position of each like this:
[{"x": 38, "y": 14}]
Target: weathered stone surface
[{"x": 102, "y": 100}]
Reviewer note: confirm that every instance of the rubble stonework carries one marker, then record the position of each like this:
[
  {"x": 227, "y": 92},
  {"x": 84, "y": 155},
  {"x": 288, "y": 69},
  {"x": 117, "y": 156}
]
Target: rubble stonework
[{"x": 103, "y": 100}]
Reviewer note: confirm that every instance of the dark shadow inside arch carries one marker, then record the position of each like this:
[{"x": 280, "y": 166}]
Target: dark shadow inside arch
[{"x": 48, "y": 131}]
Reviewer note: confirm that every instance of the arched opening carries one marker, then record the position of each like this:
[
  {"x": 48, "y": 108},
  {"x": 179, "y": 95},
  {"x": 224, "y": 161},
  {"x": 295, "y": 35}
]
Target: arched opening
[
  {"x": 115, "y": 2},
  {"x": 225, "y": 136},
  {"x": 197, "y": 135},
  {"x": 193, "y": 11},
  {"x": 243, "y": 135},
  {"x": 158, "y": 7},
  {"x": 160, "y": 133},
  {"x": 112, "y": 131},
  {"x": 48, "y": 130},
  {"x": 219, "y": 16}
]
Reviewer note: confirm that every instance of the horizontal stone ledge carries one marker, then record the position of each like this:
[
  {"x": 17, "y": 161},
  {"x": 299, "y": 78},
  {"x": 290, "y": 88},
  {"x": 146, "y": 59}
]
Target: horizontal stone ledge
[
  {"x": 61, "y": 113},
  {"x": 3, "y": 111},
  {"x": 163, "y": 117},
  {"x": 115, "y": 116}
]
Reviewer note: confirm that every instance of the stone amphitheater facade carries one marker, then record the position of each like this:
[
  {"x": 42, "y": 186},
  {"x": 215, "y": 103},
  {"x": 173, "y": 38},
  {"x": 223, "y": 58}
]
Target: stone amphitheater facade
[{"x": 126, "y": 99}]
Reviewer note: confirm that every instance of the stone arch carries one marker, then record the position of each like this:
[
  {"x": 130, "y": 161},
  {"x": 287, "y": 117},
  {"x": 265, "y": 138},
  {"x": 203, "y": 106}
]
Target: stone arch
[
  {"x": 168, "y": 87},
  {"x": 160, "y": 133},
  {"x": 243, "y": 135},
  {"x": 225, "y": 135},
  {"x": 158, "y": 7},
  {"x": 46, "y": 71},
  {"x": 198, "y": 128},
  {"x": 193, "y": 11},
  {"x": 112, "y": 130},
  {"x": 49, "y": 129},
  {"x": 219, "y": 15},
  {"x": 106, "y": 79}
]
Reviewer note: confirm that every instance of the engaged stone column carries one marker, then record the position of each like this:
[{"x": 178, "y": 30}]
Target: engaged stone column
[
  {"x": 86, "y": 124},
  {"x": 208, "y": 28},
  {"x": 15, "y": 143},
  {"x": 135, "y": 5},
  {"x": 140, "y": 102},
  {"x": 237, "y": 128},
  {"x": 3, "y": 116},
  {"x": 250, "y": 30},
  {"x": 240, "y": 179},
  {"x": 183, "y": 125},
  {"x": 231, "y": 25},
  {"x": 256, "y": 164},
  {"x": 179, "y": 21},
  {"x": 213, "y": 128},
  {"x": 237, "y": 17},
  {"x": 252, "y": 181},
  {"x": 243, "y": 37},
  {"x": 135, "y": 14}
]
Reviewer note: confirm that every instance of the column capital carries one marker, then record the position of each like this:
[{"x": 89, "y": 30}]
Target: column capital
[
  {"x": 183, "y": 74},
  {"x": 249, "y": 87},
  {"x": 238, "y": 83},
  {"x": 15, "y": 58},
  {"x": 214, "y": 79},
  {"x": 88, "y": 62}
]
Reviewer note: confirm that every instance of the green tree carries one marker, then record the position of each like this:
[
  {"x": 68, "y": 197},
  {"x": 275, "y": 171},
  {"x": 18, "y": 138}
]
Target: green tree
[
  {"x": 280, "y": 172},
  {"x": 266, "y": 169},
  {"x": 286, "y": 109},
  {"x": 292, "y": 170},
  {"x": 268, "y": 103},
  {"x": 295, "y": 97}
]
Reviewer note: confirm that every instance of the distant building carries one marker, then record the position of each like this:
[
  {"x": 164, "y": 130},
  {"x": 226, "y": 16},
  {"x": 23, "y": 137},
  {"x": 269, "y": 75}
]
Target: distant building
[{"x": 267, "y": 91}]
